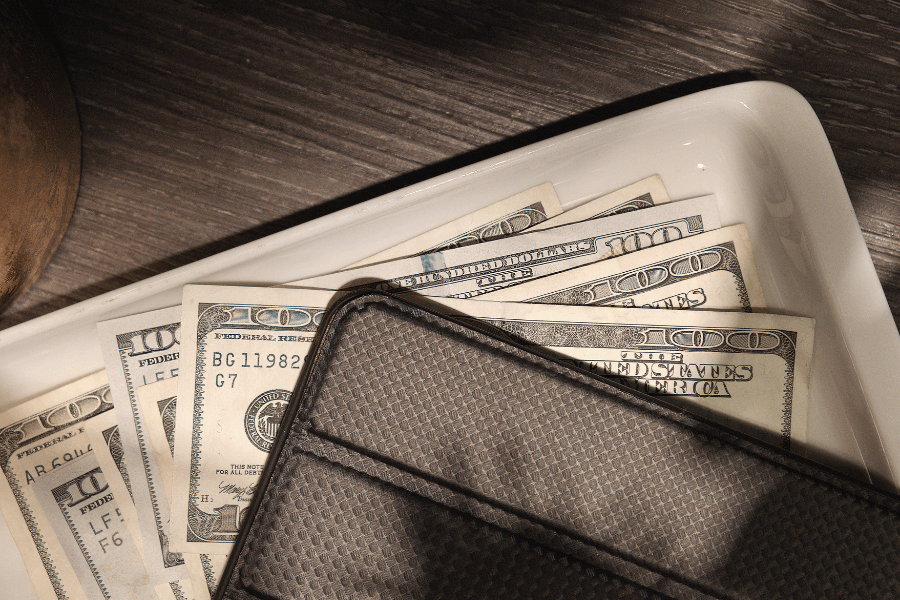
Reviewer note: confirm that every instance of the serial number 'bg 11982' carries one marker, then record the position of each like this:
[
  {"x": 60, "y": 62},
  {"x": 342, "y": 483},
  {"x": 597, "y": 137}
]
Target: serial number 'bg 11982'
[{"x": 251, "y": 360}]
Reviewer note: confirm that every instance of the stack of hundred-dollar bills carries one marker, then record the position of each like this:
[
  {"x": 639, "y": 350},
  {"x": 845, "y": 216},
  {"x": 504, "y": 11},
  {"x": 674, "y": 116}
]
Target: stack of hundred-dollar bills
[{"x": 132, "y": 483}]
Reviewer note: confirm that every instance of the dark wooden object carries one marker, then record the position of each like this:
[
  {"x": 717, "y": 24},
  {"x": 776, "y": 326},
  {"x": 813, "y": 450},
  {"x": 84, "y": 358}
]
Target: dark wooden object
[
  {"x": 210, "y": 124},
  {"x": 40, "y": 151}
]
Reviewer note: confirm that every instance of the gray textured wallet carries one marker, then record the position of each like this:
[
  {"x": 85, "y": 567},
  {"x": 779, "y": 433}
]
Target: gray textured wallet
[{"x": 421, "y": 458}]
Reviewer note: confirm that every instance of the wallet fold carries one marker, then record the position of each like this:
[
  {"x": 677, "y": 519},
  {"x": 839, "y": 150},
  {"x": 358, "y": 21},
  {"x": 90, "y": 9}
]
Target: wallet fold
[{"x": 422, "y": 458}]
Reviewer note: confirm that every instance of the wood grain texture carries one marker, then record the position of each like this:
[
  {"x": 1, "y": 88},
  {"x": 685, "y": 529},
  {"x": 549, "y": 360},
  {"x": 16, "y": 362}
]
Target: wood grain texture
[{"x": 208, "y": 125}]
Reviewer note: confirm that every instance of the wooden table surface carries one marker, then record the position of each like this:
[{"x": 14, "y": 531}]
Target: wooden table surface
[{"x": 210, "y": 124}]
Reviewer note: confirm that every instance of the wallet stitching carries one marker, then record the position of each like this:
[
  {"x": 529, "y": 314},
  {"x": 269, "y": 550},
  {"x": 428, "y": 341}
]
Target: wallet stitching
[
  {"x": 480, "y": 498},
  {"x": 297, "y": 447}
]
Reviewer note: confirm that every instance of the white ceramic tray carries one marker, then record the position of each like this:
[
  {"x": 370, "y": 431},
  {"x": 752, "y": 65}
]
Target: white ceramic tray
[{"x": 757, "y": 146}]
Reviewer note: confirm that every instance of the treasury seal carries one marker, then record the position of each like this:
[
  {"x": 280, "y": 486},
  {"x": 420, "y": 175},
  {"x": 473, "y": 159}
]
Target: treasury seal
[{"x": 263, "y": 416}]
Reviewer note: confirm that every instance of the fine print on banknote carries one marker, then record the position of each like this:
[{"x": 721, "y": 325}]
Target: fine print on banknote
[
  {"x": 750, "y": 370},
  {"x": 713, "y": 270},
  {"x": 474, "y": 270}
]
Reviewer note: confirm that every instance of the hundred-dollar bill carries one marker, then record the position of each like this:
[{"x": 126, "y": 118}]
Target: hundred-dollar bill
[
  {"x": 243, "y": 351},
  {"x": 642, "y": 194},
  {"x": 474, "y": 270},
  {"x": 749, "y": 371},
  {"x": 138, "y": 350},
  {"x": 713, "y": 270},
  {"x": 506, "y": 217},
  {"x": 86, "y": 516},
  {"x": 158, "y": 401},
  {"x": 56, "y": 502}
]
